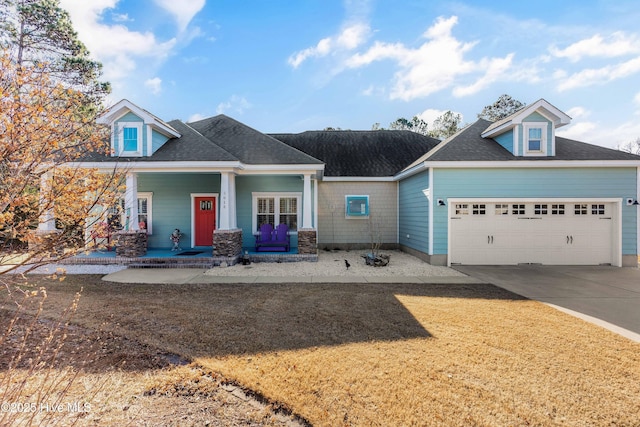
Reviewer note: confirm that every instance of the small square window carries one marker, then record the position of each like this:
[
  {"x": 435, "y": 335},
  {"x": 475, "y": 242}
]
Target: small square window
[
  {"x": 502, "y": 209},
  {"x": 357, "y": 206},
  {"x": 580, "y": 209},
  {"x": 462, "y": 209},
  {"x": 479, "y": 209},
  {"x": 540, "y": 209},
  {"x": 597, "y": 209},
  {"x": 557, "y": 209},
  {"x": 517, "y": 209}
]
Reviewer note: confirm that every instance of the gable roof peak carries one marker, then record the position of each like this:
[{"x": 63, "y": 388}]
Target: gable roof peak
[
  {"x": 541, "y": 106},
  {"x": 124, "y": 106}
]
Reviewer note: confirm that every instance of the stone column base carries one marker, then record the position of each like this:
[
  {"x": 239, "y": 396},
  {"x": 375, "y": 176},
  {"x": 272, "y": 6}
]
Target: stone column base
[
  {"x": 307, "y": 241},
  {"x": 131, "y": 244},
  {"x": 227, "y": 246}
]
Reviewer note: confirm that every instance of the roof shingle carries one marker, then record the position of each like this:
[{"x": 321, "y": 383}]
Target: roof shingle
[{"x": 379, "y": 153}]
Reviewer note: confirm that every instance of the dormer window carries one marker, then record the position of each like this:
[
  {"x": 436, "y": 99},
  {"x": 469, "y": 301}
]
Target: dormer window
[
  {"x": 130, "y": 139},
  {"x": 535, "y": 139}
]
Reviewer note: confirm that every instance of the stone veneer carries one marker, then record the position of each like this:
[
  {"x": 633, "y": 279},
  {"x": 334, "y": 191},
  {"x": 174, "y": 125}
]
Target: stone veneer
[
  {"x": 227, "y": 246},
  {"x": 307, "y": 241},
  {"x": 131, "y": 244}
]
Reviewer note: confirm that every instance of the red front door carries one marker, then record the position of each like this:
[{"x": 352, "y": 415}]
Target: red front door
[{"x": 205, "y": 218}]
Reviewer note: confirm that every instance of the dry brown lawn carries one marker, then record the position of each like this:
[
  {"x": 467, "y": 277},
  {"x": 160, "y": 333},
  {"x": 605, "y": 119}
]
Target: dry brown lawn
[{"x": 365, "y": 354}]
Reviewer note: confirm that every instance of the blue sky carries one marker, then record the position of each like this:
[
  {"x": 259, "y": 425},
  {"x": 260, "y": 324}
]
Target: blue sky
[{"x": 291, "y": 66}]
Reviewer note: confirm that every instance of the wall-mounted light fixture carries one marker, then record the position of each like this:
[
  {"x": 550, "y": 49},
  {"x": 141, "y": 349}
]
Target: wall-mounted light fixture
[
  {"x": 441, "y": 202},
  {"x": 632, "y": 202}
]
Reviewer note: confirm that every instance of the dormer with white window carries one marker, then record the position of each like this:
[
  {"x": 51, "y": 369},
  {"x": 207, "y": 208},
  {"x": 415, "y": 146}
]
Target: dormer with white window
[
  {"x": 529, "y": 132},
  {"x": 134, "y": 131}
]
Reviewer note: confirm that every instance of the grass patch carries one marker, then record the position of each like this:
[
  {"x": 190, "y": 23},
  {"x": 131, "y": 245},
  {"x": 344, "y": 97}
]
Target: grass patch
[{"x": 372, "y": 354}]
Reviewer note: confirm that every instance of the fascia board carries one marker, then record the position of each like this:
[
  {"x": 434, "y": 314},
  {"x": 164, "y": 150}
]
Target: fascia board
[
  {"x": 535, "y": 164},
  {"x": 410, "y": 172},
  {"x": 160, "y": 166}
]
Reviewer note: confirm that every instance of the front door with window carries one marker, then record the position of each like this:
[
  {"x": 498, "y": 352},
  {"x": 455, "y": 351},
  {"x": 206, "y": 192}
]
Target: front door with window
[{"x": 205, "y": 220}]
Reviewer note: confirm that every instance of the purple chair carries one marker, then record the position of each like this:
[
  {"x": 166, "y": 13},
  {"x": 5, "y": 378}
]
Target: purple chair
[
  {"x": 281, "y": 236},
  {"x": 264, "y": 236}
]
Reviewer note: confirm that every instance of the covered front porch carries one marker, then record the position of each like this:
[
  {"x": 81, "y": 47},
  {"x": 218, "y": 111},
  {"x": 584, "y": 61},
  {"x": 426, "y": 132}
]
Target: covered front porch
[{"x": 216, "y": 214}]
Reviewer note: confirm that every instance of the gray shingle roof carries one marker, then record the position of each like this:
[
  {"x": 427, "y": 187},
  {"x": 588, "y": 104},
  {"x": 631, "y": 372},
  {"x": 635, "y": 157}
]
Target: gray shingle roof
[
  {"x": 468, "y": 145},
  {"x": 379, "y": 153},
  {"x": 249, "y": 145}
]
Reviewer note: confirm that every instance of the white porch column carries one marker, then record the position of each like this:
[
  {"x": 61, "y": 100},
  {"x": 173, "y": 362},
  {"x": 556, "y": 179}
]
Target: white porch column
[
  {"x": 131, "y": 202},
  {"x": 233, "y": 218},
  {"x": 306, "y": 202},
  {"x": 47, "y": 220},
  {"x": 225, "y": 211}
]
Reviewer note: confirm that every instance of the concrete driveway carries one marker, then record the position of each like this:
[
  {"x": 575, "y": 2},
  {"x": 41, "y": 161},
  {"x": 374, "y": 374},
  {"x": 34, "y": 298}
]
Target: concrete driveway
[{"x": 610, "y": 294}]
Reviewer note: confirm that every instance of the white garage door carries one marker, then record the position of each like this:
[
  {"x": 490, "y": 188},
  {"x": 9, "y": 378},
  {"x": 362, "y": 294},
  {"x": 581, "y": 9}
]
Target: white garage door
[{"x": 560, "y": 233}]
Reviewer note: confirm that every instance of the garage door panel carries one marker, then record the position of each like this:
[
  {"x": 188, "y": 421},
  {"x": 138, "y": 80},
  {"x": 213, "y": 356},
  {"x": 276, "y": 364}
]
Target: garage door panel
[{"x": 529, "y": 232}]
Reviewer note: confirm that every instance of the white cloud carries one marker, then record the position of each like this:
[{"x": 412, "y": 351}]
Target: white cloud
[
  {"x": 195, "y": 117},
  {"x": 121, "y": 17},
  {"x": 617, "y": 44},
  {"x": 118, "y": 48},
  {"x": 183, "y": 11},
  {"x": 496, "y": 69},
  {"x": 577, "y": 113},
  {"x": 154, "y": 84},
  {"x": 600, "y": 133},
  {"x": 351, "y": 37},
  {"x": 592, "y": 76},
  {"x": 237, "y": 104},
  {"x": 435, "y": 65},
  {"x": 636, "y": 98}
]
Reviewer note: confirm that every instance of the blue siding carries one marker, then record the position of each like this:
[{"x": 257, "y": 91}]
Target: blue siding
[
  {"x": 414, "y": 212},
  {"x": 172, "y": 202},
  {"x": 506, "y": 140},
  {"x": 531, "y": 183},
  {"x": 157, "y": 141},
  {"x": 245, "y": 185}
]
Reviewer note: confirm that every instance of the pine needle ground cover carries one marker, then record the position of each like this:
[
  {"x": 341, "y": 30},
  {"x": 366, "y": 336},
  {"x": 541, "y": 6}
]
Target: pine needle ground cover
[{"x": 371, "y": 354}]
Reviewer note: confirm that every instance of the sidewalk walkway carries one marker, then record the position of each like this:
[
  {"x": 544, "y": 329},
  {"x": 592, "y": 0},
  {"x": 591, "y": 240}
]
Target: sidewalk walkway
[{"x": 197, "y": 275}]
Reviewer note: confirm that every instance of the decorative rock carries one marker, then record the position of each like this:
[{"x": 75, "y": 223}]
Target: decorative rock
[
  {"x": 307, "y": 241},
  {"x": 131, "y": 244}
]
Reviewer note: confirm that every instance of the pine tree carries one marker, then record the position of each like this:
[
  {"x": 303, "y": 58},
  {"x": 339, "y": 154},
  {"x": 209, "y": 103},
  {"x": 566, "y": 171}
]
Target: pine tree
[
  {"x": 39, "y": 33},
  {"x": 504, "y": 106}
]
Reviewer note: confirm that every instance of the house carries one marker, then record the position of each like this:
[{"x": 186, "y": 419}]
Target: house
[{"x": 507, "y": 192}]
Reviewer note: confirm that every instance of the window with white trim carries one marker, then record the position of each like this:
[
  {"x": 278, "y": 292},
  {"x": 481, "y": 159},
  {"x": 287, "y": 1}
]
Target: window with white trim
[
  {"x": 502, "y": 209},
  {"x": 597, "y": 209},
  {"x": 118, "y": 215},
  {"x": 130, "y": 138},
  {"x": 540, "y": 209},
  {"x": 144, "y": 211},
  {"x": 276, "y": 208},
  {"x": 462, "y": 209},
  {"x": 356, "y": 206},
  {"x": 557, "y": 209},
  {"x": 479, "y": 209},
  {"x": 580, "y": 209},
  {"x": 518, "y": 209},
  {"x": 535, "y": 138}
]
